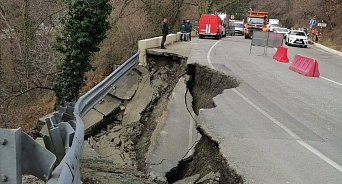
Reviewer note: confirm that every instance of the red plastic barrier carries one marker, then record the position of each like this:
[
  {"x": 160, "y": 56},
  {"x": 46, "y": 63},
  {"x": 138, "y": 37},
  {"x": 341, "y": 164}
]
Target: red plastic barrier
[
  {"x": 281, "y": 55},
  {"x": 305, "y": 66}
]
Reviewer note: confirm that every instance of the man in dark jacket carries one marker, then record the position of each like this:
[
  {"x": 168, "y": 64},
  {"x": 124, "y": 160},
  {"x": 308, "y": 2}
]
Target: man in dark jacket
[
  {"x": 165, "y": 32},
  {"x": 183, "y": 30},
  {"x": 188, "y": 28}
]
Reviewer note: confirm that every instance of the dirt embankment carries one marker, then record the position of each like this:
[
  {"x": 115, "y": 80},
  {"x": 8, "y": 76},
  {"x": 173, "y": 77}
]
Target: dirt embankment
[
  {"x": 116, "y": 148},
  {"x": 205, "y": 84},
  {"x": 117, "y": 145},
  {"x": 208, "y": 163}
]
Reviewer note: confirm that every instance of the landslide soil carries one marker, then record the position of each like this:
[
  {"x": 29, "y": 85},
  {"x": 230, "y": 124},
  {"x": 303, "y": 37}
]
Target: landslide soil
[
  {"x": 130, "y": 142},
  {"x": 120, "y": 148},
  {"x": 168, "y": 71},
  {"x": 204, "y": 84},
  {"x": 206, "y": 158}
]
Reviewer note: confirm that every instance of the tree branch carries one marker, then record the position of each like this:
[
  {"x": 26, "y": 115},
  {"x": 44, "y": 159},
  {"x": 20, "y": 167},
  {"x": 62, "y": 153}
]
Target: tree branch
[{"x": 11, "y": 98}]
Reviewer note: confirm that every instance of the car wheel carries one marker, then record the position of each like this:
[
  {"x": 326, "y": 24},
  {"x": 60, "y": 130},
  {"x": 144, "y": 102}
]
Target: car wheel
[
  {"x": 200, "y": 36},
  {"x": 305, "y": 46}
]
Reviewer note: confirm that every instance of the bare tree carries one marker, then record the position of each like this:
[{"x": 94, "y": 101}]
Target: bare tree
[{"x": 28, "y": 60}]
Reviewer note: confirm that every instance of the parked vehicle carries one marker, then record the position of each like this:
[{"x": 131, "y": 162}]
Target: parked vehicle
[
  {"x": 256, "y": 21},
  {"x": 273, "y": 24},
  {"x": 209, "y": 25},
  {"x": 295, "y": 37},
  {"x": 281, "y": 31},
  {"x": 239, "y": 27}
]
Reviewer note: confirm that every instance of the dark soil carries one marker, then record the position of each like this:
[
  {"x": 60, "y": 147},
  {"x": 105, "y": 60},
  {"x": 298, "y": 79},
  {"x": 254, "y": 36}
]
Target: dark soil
[
  {"x": 168, "y": 70},
  {"x": 207, "y": 158},
  {"x": 205, "y": 84}
]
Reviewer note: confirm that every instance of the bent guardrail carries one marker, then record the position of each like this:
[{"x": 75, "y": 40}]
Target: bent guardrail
[{"x": 20, "y": 154}]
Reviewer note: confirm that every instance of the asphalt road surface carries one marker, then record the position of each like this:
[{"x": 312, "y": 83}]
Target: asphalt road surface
[{"x": 278, "y": 126}]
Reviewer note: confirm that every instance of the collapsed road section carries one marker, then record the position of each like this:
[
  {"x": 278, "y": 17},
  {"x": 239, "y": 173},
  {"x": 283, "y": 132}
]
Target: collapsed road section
[{"x": 144, "y": 131}]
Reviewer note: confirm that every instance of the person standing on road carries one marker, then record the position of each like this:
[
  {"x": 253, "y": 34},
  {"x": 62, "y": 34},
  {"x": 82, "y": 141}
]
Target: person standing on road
[
  {"x": 316, "y": 36},
  {"x": 188, "y": 28},
  {"x": 165, "y": 32},
  {"x": 183, "y": 30},
  {"x": 313, "y": 34}
]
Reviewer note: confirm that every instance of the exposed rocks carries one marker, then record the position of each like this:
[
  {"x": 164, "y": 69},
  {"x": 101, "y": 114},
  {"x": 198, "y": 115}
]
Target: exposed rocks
[
  {"x": 211, "y": 178},
  {"x": 116, "y": 140},
  {"x": 140, "y": 100},
  {"x": 127, "y": 87},
  {"x": 189, "y": 180},
  {"x": 206, "y": 161}
]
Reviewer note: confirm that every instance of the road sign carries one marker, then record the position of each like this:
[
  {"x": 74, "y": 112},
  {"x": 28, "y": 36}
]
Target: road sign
[
  {"x": 232, "y": 17},
  {"x": 322, "y": 24},
  {"x": 312, "y": 22}
]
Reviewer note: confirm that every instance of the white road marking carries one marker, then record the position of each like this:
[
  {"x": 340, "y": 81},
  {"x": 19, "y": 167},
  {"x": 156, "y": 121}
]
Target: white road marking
[
  {"x": 208, "y": 55},
  {"x": 330, "y": 80},
  {"x": 190, "y": 143},
  {"x": 321, "y": 75},
  {"x": 291, "y": 133},
  {"x": 282, "y": 126}
]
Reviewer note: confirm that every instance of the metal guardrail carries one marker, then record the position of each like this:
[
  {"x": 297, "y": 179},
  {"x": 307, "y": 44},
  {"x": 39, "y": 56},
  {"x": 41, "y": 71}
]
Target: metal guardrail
[{"x": 20, "y": 154}]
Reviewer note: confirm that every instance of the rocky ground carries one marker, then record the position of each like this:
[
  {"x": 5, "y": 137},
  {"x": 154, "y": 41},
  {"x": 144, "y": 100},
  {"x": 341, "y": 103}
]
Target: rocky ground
[
  {"x": 121, "y": 146},
  {"x": 125, "y": 125}
]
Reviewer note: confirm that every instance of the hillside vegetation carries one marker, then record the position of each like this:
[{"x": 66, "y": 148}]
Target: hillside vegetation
[{"x": 28, "y": 60}]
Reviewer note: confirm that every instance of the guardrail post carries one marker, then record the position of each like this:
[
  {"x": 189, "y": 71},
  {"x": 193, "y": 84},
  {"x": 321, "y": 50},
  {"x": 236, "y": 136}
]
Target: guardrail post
[
  {"x": 10, "y": 159},
  {"x": 20, "y": 154}
]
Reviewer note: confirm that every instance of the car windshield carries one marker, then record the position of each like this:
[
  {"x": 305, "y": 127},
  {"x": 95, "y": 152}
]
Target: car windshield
[
  {"x": 238, "y": 24},
  {"x": 255, "y": 20},
  {"x": 298, "y": 33},
  {"x": 274, "y": 25}
]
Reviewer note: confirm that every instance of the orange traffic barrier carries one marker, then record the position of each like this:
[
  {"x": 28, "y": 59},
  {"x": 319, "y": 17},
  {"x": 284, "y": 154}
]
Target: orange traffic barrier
[
  {"x": 305, "y": 66},
  {"x": 281, "y": 55}
]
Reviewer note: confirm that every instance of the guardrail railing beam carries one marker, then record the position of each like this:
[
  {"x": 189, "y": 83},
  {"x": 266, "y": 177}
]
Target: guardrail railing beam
[{"x": 20, "y": 154}]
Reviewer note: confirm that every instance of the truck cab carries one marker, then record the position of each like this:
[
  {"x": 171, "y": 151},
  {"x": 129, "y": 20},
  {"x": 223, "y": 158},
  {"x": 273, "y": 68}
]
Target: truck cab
[{"x": 256, "y": 21}]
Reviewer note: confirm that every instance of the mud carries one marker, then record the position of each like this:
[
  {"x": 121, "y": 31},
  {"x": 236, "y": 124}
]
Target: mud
[
  {"x": 207, "y": 161},
  {"x": 205, "y": 84}
]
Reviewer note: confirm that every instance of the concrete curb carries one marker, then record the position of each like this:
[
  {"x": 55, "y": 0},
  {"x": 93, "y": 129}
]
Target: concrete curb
[
  {"x": 143, "y": 45},
  {"x": 333, "y": 51}
]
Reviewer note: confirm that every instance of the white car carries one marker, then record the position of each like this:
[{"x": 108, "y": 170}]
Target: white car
[
  {"x": 272, "y": 27},
  {"x": 238, "y": 28},
  {"x": 295, "y": 37},
  {"x": 283, "y": 31}
]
